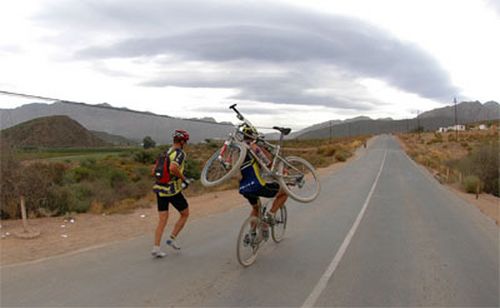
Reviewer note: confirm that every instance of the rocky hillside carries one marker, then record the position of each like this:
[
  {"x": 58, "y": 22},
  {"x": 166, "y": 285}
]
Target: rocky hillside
[
  {"x": 467, "y": 112},
  {"x": 51, "y": 132},
  {"x": 130, "y": 124}
]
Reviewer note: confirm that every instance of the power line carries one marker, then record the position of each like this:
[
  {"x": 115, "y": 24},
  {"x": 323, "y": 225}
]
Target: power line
[{"x": 32, "y": 96}]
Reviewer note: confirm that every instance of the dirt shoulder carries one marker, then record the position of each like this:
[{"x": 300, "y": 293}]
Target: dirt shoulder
[
  {"x": 488, "y": 204},
  {"x": 59, "y": 235}
]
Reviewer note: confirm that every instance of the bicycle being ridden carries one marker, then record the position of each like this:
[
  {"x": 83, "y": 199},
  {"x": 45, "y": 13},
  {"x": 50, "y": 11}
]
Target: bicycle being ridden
[{"x": 265, "y": 173}]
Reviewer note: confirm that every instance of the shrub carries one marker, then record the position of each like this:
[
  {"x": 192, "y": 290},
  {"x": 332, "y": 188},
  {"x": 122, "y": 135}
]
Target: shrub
[
  {"x": 9, "y": 177},
  {"x": 342, "y": 155},
  {"x": 192, "y": 169},
  {"x": 81, "y": 173},
  {"x": 148, "y": 142},
  {"x": 145, "y": 156},
  {"x": 470, "y": 183},
  {"x": 117, "y": 178},
  {"x": 484, "y": 163}
]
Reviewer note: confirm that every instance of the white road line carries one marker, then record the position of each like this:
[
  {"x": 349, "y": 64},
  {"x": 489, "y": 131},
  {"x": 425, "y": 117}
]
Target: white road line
[{"x": 321, "y": 285}]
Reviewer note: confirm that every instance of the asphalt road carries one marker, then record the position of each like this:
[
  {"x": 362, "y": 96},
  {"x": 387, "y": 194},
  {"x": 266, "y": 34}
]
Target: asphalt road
[{"x": 382, "y": 233}]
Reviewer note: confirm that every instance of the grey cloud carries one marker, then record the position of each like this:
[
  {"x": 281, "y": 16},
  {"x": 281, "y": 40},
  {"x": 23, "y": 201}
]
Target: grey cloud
[
  {"x": 495, "y": 5},
  {"x": 224, "y": 32},
  {"x": 282, "y": 88},
  {"x": 244, "y": 109}
]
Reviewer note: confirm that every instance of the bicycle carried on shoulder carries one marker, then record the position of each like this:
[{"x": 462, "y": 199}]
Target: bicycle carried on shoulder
[
  {"x": 255, "y": 232},
  {"x": 294, "y": 174}
]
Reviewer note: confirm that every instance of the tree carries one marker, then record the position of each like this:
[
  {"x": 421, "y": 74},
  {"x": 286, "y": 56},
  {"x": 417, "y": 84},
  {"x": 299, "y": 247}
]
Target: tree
[{"x": 148, "y": 142}]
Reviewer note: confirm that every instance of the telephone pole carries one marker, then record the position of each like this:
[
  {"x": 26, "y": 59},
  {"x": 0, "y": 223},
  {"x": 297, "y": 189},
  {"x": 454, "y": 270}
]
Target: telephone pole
[
  {"x": 330, "y": 131},
  {"x": 456, "y": 118},
  {"x": 418, "y": 123}
]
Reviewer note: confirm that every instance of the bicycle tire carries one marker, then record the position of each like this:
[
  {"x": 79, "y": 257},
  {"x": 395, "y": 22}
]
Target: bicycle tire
[
  {"x": 305, "y": 190},
  {"x": 279, "y": 227},
  {"x": 250, "y": 248},
  {"x": 210, "y": 174}
]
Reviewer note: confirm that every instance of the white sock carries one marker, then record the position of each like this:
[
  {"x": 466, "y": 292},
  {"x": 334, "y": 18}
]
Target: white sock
[{"x": 156, "y": 248}]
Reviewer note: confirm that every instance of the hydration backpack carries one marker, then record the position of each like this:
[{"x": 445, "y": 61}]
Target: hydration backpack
[{"x": 161, "y": 170}]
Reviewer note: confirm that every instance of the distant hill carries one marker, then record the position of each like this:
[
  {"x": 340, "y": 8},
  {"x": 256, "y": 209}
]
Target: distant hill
[
  {"x": 50, "y": 132},
  {"x": 467, "y": 112},
  {"x": 114, "y": 139},
  {"x": 133, "y": 125}
]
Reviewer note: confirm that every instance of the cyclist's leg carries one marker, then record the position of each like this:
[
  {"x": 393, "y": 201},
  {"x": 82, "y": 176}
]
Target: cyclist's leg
[
  {"x": 254, "y": 202},
  {"x": 181, "y": 205},
  {"x": 273, "y": 190},
  {"x": 162, "y": 218},
  {"x": 279, "y": 201}
]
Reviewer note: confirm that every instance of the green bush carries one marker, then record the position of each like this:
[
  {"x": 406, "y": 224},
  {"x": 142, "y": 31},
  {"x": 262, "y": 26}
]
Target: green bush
[
  {"x": 81, "y": 173},
  {"x": 342, "y": 155},
  {"x": 192, "y": 169},
  {"x": 117, "y": 178},
  {"x": 470, "y": 183},
  {"x": 483, "y": 163},
  {"x": 145, "y": 156}
]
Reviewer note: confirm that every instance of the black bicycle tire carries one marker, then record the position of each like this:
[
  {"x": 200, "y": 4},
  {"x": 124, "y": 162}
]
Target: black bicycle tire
[
  {"x": 229, "y": 174},
  {"x": 277, "y": 239},
  {"x": 252, "y": 259},
  {"x": 291, "y": 193}
]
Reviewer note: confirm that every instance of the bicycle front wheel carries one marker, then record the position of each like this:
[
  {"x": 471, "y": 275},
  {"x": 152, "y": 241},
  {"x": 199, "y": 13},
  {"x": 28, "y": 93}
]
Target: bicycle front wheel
[
  {"x": 249, "y": 241},
  {"x": 220, "y": 168},
  {"x": 299, "y": 179},
  {"x": 279, "y": 227}
]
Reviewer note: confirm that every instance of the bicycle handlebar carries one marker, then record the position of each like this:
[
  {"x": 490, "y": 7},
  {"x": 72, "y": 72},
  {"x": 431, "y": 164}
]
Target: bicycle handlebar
[{"x": 238, "y": 114}]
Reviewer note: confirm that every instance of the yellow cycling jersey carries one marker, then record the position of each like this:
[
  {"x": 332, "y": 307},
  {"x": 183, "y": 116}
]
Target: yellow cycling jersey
[{"x": 173, "y": 187}]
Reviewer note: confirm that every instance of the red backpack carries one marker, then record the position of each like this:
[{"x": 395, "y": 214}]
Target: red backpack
[{"x": 161, "y": 170}]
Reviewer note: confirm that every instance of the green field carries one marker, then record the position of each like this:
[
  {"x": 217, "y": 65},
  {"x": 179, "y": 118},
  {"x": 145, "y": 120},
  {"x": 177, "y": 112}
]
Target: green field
[{"x": 62, "y": 154}]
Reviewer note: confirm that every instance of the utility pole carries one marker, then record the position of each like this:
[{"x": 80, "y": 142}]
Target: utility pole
[
  {"x": 330, "y": 131},
  {"x": 418, "y": 123},
  {"x": 456, "y": 118}
]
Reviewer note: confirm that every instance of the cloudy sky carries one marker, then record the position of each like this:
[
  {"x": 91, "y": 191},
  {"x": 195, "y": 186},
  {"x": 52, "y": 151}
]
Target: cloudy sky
[{"x": 292, "y": 63}]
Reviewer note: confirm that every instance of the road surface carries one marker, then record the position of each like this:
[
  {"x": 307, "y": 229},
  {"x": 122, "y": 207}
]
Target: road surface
[{"x": 381, "y": 233}]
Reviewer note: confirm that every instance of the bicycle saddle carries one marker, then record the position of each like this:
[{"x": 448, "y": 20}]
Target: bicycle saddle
[{"x": 285, "y": 131}]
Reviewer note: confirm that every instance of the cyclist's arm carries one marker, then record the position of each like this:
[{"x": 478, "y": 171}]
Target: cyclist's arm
[
  {"x": 175, "y": 170},
  {"x": 263, "y": 154}
]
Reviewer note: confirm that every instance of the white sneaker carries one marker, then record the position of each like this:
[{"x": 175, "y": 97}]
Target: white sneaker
[
  {"x": 172, "y": 243},
  {"x": 158, "y": 253}
]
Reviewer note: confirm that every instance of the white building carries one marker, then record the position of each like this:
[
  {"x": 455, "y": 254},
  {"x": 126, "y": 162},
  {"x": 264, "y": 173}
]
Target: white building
[{"x": 458, "y": 127}]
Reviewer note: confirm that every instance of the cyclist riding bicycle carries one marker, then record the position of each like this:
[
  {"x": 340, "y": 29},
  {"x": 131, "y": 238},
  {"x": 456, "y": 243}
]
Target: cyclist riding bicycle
[{"x": 253, "y": 185}]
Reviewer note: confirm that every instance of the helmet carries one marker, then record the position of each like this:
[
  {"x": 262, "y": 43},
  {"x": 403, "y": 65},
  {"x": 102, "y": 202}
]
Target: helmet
[
  {"x": 249, "y": 131},
  {"x": 181, "y": 134}
]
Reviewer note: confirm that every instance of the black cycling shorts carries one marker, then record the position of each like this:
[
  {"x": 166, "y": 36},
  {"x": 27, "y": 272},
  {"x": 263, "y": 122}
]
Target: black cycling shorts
[
  {"x": 270, "y": 190},
  {"x": 178, "y": 201}
]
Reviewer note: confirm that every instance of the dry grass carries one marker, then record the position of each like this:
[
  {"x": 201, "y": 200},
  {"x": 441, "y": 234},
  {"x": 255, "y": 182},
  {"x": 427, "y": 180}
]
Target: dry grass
[
  {"x": 441, "y": 152},
  {"x": 114, "y": 184}
]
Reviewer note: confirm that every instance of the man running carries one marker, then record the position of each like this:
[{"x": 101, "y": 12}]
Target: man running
[{"x": 171, "y": 193}]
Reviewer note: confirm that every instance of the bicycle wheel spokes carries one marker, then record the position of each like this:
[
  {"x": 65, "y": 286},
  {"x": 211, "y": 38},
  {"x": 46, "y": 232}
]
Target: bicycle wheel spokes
[
  {"x": 249, "y": 240},
  {"x": 279, "y": 227},
  {"x": 221, "y": 167},
  {"x": 299, "y": 179}
]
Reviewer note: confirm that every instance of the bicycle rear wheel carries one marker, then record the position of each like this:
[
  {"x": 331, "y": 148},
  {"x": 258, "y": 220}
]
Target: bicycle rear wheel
[
  {"x": 249, "y": 241},
  {"x": 219, "y": 169},
  {"x": 301, "y": 181},
  {"x": 279, "y": 227}
]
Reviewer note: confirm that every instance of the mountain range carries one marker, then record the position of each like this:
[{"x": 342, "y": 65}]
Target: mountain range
[
  {"x": 51, "y": 132},
  {"x": 135, "y": 125},
  {"x": 467, "y": 112}
]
